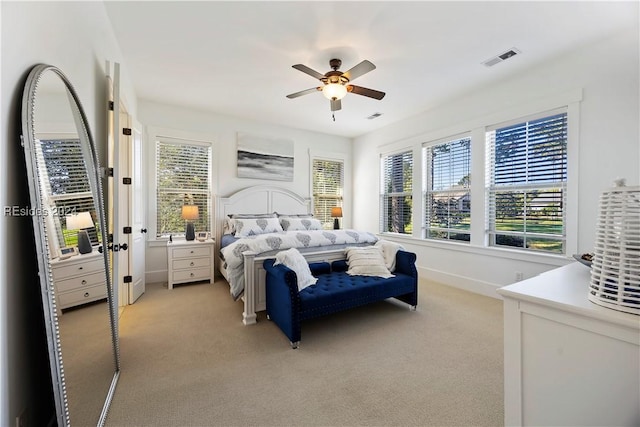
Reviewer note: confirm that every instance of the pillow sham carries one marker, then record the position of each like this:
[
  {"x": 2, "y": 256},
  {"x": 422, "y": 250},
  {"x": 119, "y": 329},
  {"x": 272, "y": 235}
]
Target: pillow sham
[
  {"x": 293, "y": 259},
  {"x": 296, "y": 224},
  {"x": 366, "y": 261},
  {"x": 229, "y": 227},
  {"x": 254, "y": 226}
]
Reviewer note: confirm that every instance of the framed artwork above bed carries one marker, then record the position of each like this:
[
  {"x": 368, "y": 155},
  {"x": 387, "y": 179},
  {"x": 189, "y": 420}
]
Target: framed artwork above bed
[{"x": 262, "y": 157}]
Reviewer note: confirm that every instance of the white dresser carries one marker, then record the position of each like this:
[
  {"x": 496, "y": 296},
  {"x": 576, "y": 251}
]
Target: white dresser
[
  {"x": 79, "y": 279},
  {"x": 189, "y": 261},
  {"x": 568, "y": 361}
]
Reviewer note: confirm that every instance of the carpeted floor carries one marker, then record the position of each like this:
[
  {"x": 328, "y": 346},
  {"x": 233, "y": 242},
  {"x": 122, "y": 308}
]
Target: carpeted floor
[{"x": 187, "y": 360}]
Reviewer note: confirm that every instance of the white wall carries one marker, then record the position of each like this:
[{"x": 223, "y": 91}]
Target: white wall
[
  {"x": 222, "y": 130},
  {"x": 609, "y": 146},
  {"x": 76, "y": 37}
]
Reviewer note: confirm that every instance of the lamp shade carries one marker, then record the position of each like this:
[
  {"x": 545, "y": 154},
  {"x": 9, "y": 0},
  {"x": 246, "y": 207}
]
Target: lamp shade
[
  {"x": 79, "y": 221},
  {"x": 334, "y": 91},
  {"x": 190, "y": 212},
  {"x": 336, "y": 212}
]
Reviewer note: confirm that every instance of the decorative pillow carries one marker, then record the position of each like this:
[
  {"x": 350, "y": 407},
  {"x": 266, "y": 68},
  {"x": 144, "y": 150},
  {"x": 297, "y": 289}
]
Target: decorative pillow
[
  {"x": 293, "y": 259},
  {"x": 389, "y": 250},
  {"x": 297, "y": 224},
  {"x": 253, "y": 226},
  {"x": 229, "y": 226},
  {"x": 366, "y": 261},
  {"x": 302, "y": 215}
]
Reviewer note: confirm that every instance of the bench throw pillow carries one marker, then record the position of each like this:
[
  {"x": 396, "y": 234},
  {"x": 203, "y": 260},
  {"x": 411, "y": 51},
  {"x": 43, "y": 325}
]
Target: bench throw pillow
[
  {"x": 367, "y": 261},
  {"x": 293, "y": 259}
]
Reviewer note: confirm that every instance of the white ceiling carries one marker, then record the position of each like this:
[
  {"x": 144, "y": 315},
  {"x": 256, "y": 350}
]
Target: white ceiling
[{"x": 235, "y": 58}]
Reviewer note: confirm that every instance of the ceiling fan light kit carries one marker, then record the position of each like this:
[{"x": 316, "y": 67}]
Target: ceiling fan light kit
[{"x": 335, "y": 83}]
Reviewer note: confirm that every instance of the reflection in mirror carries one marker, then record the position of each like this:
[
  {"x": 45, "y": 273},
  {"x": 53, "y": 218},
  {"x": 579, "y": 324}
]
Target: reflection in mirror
[{"x": 66, "y": 198}]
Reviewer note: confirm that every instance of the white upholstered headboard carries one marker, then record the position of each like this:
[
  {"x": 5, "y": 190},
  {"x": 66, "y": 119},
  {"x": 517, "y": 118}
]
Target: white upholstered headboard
[{"x": 259, "y": 199}]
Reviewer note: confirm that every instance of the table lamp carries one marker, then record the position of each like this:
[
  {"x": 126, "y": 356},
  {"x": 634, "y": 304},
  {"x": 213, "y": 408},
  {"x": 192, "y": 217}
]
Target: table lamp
[
  {"x": 336, "y": 212},
  {"x": 190, "y": 213},
  {"x": 81, "y": 222}
]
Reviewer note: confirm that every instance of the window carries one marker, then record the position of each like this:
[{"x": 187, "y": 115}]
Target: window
[
  {"x": 66, "y": 183},
  {"x": 527, "y": 176},
  {"x": 328, "y": 177},
  {"x": 396, "y": 197},
  {"x": 183, "y": 177},
  {"x": 447, "y": 196}
]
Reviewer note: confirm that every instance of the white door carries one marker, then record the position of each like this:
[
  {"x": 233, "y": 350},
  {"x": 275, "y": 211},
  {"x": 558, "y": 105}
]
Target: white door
[{"x": 139, "y": 230}]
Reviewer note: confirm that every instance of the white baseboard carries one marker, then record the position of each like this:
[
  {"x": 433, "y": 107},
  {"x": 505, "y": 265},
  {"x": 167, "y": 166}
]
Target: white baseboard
[
  {"x": 461, "y": 282},
  {"x": 157, "y": 276}
]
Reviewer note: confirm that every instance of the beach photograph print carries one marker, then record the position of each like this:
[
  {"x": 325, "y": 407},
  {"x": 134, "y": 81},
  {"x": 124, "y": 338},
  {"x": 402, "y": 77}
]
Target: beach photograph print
[{"x": 265, "y": 158}]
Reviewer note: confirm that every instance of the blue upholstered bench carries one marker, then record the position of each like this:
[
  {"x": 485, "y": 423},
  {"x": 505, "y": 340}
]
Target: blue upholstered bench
[{"x": 334, "y": 291}]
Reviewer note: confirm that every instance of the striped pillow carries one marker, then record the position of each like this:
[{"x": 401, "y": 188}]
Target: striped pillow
[{"x": 366, "y": 261}]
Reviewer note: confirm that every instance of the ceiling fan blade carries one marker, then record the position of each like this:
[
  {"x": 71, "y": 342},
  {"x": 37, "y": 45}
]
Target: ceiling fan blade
[
  {"x": 336, "y": 104},
  {"x": 360, "y": 69},
  {"x": 303, "y": 92},
  {"x": 359, "y": 90},
  {"x": 307, "y": 70}
]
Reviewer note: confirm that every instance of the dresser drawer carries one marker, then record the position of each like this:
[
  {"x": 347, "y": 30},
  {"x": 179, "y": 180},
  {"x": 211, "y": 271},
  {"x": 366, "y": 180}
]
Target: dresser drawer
[
  {"x": 192, "y": 252},
  {"x": 187, "y": 263},
  {"x": 79, "y": 282},
  {"x": 82, "y": 296},
  {"x": 192, "y": 275},
  {"x": 67, "y": 270}
]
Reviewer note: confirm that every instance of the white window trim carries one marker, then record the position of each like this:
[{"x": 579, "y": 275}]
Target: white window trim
[
  {"x": 477, "y": 126},
  {"x": 345, "y": 158},
  {"x": 423, "y": 181},
  {"x": 152, "y": 135}
]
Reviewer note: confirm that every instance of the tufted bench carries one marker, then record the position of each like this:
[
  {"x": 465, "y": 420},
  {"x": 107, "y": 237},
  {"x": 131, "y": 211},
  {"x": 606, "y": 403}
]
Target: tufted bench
[{"x": 334, "y": 291}]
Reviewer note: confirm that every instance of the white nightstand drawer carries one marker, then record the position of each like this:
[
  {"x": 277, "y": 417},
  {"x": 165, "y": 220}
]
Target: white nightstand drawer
[
  {"x": 61, "y": 272},
  {"x": 192, "y": 252},
  {"x": 191, "y": 263},
  {"x": 82, "y": 296},
  {"x": 191, "y": 275},
  {"x": 81, "y": 282}
]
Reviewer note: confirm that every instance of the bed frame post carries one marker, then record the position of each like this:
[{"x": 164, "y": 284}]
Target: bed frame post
[{"x": 249, "y": 314}]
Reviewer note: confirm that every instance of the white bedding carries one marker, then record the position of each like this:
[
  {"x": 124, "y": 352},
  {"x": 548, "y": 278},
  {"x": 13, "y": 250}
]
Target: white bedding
[{"x": 234, "y": 260}]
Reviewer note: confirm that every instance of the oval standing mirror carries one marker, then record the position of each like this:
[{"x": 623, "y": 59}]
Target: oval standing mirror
[{"x": 70, "y": 237}]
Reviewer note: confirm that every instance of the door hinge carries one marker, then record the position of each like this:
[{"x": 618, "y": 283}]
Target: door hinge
[
  {"x": 126, "y": 230},
  {"x": 110, "y": 238},
  {"x": 110, "y": 105},
  {"x": 128, "y": 279},
  {"x": 126, "y": 131},
  {"x": 126, "y": 181},
  {"x": 109, "y": 171}
]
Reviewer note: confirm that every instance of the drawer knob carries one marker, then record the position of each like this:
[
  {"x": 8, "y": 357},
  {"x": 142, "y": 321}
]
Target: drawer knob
[
  {"x": 191, "y": 274},
  {"x": 191, "y": 251},
  {"x": 84, "y": 282},
  {"x": 86, "y": 294},
  {"x": 80, "y": 268},
  {"x": 191, "y": 264}
]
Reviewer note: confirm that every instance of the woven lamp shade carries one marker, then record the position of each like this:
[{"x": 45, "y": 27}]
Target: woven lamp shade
[{"x": 615, "y": 271}]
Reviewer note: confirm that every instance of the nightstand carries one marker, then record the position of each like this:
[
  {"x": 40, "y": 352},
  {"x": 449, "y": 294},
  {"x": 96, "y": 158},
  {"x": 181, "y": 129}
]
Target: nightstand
[
  {"x": 79, "y": 279},
  {"x": 189, "y": 261}
]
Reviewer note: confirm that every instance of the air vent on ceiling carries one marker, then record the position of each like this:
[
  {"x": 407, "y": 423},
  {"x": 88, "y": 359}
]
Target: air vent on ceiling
[
  {"x": 374, "y": 116},
  {"x": 502, "y": 57}
]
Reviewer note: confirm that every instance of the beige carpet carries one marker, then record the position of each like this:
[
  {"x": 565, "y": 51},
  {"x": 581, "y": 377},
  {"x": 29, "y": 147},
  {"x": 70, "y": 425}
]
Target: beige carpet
[{"x": 187, "y": 360}]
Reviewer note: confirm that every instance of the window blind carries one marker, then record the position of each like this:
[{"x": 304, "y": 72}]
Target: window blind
[
  {"x": 328, "y": 176},
  {"x": 396, "y": 193},
  {"x": 527, "y": 175},
  {"x": 447, "y": 190},
  {"x": 182, "y": 178},
  {"x": 66, "y": 183}
]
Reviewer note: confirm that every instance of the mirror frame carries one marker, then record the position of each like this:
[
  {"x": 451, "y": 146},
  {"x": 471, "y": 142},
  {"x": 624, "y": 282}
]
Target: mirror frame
[{"x": 28, "y": 142}]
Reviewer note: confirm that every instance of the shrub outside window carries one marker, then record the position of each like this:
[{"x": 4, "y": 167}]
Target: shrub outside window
[{"x": 396, "y": 193}]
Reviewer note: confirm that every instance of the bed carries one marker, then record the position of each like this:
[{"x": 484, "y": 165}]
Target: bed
[{"x": 240, "y": 259}]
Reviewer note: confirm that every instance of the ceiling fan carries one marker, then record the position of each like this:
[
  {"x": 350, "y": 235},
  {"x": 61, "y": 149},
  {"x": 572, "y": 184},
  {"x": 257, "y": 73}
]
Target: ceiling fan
[{"x": 335, "y": 83}]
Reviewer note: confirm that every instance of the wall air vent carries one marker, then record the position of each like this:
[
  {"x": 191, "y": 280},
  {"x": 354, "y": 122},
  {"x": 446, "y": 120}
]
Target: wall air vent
[
  {"x": 502, "y": 57},
  {"x": 374, "y": 116}
]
